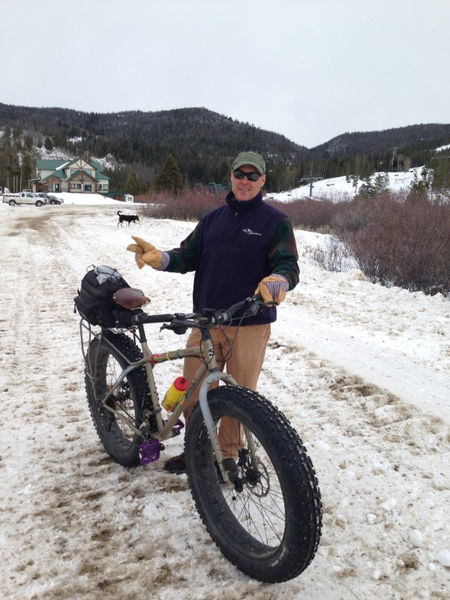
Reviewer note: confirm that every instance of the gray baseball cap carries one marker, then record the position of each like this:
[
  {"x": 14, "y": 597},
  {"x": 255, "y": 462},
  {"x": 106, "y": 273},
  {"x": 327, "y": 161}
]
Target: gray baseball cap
[{"x": 250, "y": 158}]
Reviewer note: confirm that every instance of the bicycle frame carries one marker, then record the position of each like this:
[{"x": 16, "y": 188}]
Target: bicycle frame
[{"x": 207, "y": 374}]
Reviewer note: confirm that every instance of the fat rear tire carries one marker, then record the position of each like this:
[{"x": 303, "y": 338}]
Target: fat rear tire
[
  {"x": 106, "y": 357},
  {"x": 269, "y": 525}
]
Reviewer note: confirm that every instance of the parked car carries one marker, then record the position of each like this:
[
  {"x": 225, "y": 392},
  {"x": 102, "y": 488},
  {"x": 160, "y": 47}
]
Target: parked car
[
  {"x": 43, "y": 196},
  {"x": 23, "y": 198},
  {"x": 54, "y": 199},
  {"x": 49, "y": 198}
]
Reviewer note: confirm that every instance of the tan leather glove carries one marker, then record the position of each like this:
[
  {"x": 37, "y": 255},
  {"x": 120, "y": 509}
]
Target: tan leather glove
[
  {"x": 146, "y": 253},
  {"x": 273, "y": 288}
]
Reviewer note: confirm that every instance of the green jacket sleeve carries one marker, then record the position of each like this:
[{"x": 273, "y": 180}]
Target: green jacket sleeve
[
  {"x": 184, "y": 258},
  {"x": 283, "y": 255}
]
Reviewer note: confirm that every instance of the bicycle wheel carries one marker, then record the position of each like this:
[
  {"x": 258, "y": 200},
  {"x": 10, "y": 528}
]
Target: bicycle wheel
[
  {"x": 106, "y": 358},
  {"x": 269, "y": 525}
]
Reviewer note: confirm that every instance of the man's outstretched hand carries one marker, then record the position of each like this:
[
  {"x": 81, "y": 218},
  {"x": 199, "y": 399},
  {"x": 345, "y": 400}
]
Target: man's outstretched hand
[
  {"x": 273, "y": 288},
  {"x": 145, "y": 253}
]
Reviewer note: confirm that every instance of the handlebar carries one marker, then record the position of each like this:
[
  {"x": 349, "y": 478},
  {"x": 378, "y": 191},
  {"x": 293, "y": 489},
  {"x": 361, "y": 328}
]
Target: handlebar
[{"x": 179, "y": 322}]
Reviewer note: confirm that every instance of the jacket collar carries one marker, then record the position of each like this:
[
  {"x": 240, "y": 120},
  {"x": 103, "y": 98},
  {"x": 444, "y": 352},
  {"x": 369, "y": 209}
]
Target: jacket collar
[{"x": 238, "y": 206}]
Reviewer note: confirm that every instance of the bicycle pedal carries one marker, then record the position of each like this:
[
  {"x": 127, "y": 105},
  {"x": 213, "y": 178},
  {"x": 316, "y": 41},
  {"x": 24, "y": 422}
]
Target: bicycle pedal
[{"x": 149, "y": 451}]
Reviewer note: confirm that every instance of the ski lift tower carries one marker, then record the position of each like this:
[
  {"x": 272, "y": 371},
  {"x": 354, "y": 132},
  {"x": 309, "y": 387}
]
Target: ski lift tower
[{"x": 310, "y": 179}]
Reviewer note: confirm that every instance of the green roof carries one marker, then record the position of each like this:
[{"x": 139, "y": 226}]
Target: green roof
[
  {"x": 50, "y": 165},
  {"x": 44, "y": 164},
  {"x": 58, "y": 173}
]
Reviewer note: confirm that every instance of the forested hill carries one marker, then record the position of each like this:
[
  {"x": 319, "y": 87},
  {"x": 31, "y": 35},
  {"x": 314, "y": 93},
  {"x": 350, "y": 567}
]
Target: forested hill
[
  {"x": 203, "y": 143},
  {"x": 413, "y": 137},
  {"x": 198, "y": 138}
]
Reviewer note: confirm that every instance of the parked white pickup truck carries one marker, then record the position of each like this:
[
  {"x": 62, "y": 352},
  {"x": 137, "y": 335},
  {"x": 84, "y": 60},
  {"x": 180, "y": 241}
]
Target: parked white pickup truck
[{"x": 23, "y": 198}]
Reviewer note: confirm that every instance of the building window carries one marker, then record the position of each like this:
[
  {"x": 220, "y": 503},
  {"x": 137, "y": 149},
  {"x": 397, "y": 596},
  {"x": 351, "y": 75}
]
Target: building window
[
  {"x": 75, "y": 186},
  {"x": 88, "y": 187}
]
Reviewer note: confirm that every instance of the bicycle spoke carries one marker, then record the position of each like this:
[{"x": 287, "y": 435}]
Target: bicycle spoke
[{"x": 259, "y": 506}]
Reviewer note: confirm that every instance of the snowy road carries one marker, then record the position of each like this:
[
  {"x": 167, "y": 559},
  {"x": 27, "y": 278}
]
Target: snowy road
[
  {"x": 361, "y": 371},
  {"x": 425, "y": 385}
]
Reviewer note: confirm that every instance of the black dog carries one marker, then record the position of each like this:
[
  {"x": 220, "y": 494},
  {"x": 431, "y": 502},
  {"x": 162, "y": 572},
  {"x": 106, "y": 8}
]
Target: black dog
[{"x": 127, "y": 218}]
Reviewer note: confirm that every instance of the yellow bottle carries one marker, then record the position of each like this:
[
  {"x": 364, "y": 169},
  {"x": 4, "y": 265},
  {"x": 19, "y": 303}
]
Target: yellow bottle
[{"x": 174, "y": 393}]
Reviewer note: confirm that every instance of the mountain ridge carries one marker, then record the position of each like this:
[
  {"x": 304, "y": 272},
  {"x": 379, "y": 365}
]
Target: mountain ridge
[{"x": 204, "y": 142}]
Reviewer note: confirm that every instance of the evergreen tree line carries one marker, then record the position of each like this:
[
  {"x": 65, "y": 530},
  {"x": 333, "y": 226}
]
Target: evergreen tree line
[
  {"x": 197, "y": 147},
  {"x": 17, "y": 159}
]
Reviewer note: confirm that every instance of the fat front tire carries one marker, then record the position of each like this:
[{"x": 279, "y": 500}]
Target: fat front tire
[
  {"x": 268, "y": 525},
  {"x": 106, "y": 357}
]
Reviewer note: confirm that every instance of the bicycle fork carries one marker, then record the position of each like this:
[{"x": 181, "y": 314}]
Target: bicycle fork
[{"x": 207, "y": 417}]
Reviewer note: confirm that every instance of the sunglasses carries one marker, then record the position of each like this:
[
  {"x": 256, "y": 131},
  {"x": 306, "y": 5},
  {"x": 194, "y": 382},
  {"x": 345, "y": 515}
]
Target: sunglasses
[{"x": 250, "y": 176}]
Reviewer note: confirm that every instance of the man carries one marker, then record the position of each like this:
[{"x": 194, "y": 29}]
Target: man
[{"x": 239, "y": 249}]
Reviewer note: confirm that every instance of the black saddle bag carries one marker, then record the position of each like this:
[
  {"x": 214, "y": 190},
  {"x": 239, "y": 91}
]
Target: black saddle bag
[{"x": 94, "y": 300}]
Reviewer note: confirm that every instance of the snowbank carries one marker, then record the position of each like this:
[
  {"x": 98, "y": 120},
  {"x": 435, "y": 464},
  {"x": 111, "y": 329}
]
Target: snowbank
[{"x": 87, "y": 199}]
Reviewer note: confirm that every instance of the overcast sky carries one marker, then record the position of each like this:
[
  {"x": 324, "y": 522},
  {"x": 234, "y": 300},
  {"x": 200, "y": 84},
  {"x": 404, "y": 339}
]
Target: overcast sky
[{"x": 308, "y": 69}]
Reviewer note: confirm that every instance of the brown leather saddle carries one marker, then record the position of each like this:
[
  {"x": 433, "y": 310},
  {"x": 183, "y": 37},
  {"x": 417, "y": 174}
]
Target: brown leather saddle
[{"x": 130, "y": 298}]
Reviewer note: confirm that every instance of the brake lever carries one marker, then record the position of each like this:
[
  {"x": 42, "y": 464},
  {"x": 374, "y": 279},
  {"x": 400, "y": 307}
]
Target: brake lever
[
  {"x": 254, "y": 305},
  {"x": 178, "y": 328}
]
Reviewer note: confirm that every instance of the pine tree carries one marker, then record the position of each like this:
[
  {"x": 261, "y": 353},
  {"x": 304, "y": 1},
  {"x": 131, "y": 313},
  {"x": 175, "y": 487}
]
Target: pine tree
[
  {"x": 381, "y": 182},
  {"x": 132, "y": 185},
  {"x": 169, "y": 177},
  {"x": 367, "y": 188},
  {"x": 440, "y": 164},
  {"x": 424, "y": 182}
]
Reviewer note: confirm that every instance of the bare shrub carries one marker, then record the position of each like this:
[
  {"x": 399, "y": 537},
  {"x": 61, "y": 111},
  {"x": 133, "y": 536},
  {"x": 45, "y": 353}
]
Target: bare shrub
[
  {"x": 404, "y": 243},
  {"x": 193, "y": 204},
  {"x": 189, "y": 205},
  {"x": 306, "y": 213},
  {"x": 334, "y": 256}
]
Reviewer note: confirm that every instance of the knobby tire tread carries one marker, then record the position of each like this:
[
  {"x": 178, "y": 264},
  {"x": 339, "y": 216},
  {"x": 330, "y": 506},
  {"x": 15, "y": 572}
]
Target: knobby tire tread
[
  {"x": 122, "y": 451},
  {"x": 295, "y": 472}
]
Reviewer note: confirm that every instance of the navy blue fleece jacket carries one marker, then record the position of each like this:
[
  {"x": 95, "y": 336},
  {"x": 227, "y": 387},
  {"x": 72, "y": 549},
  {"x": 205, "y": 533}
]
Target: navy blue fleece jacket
[{"x": 232, "y": 249}]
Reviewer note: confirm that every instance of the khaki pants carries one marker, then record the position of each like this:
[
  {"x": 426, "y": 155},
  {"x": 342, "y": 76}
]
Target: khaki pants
[{"x": 241, "y": 350}]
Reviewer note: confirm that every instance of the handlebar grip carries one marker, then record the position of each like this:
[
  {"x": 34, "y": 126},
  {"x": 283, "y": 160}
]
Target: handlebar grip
[{"x": 142, "y": 318}]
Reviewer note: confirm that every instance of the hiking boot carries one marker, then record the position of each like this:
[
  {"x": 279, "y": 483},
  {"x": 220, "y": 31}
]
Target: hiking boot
[
  {"x": 176, "y": 465},
  {"x": 229, "y": 464}
]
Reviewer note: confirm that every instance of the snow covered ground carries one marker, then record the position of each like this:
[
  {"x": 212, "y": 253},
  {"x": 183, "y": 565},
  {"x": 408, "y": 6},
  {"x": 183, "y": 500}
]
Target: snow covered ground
[{"x": 362, "y": 371}]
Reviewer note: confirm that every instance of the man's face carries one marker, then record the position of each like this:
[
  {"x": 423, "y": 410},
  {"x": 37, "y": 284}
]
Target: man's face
[{"x": 244, "y": 189}]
